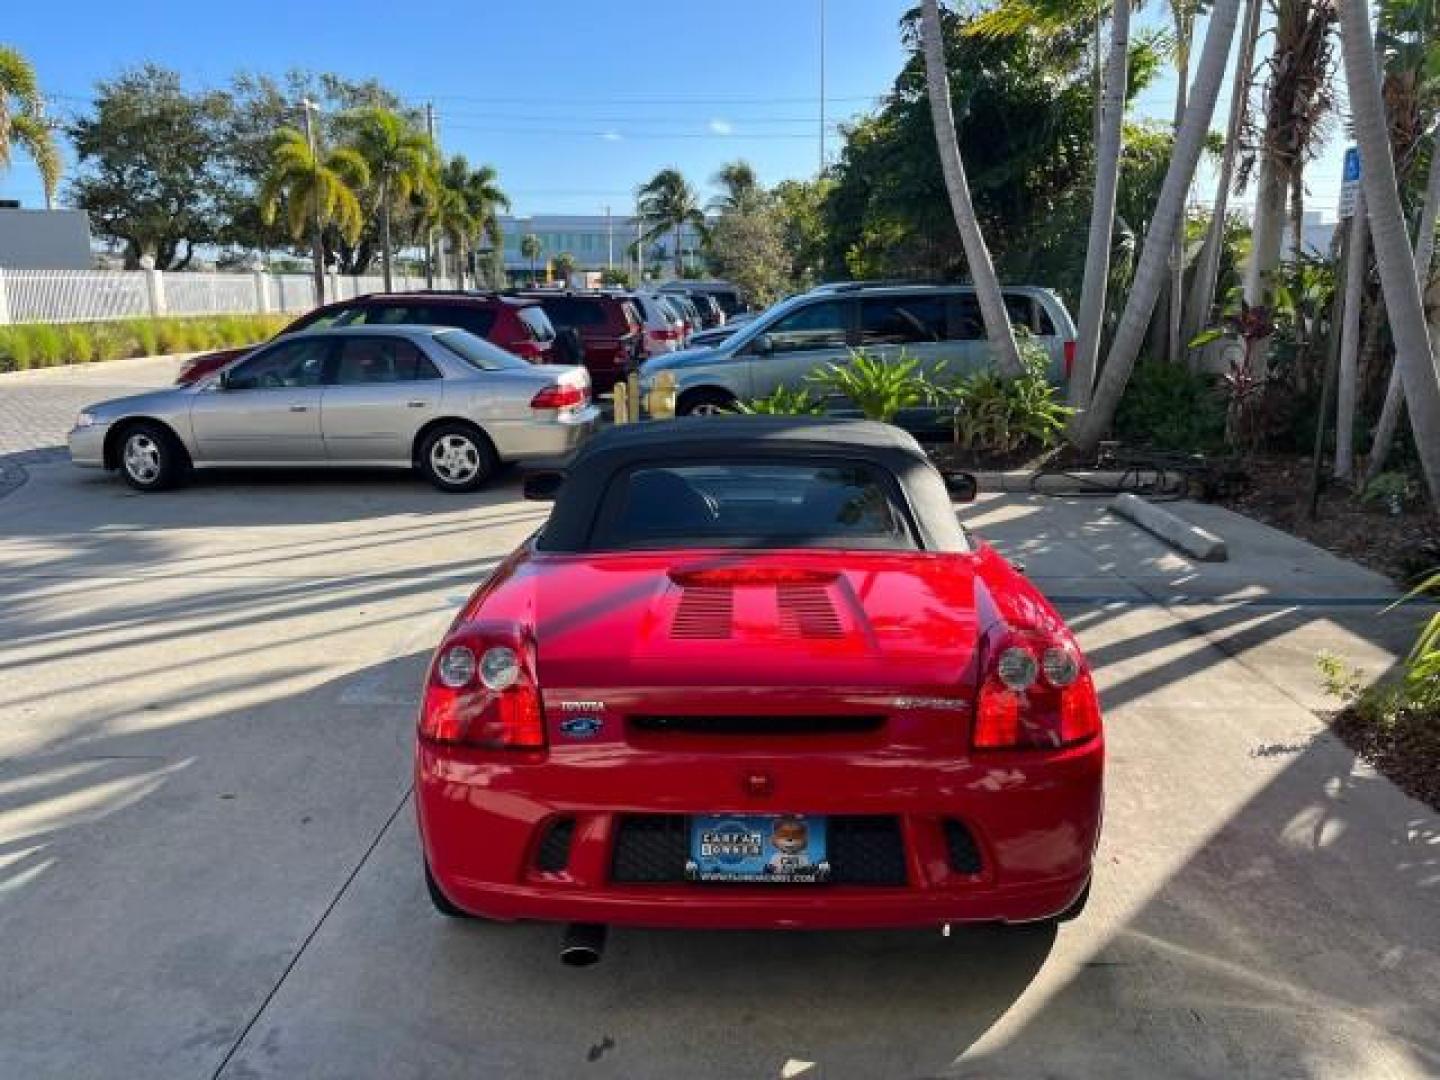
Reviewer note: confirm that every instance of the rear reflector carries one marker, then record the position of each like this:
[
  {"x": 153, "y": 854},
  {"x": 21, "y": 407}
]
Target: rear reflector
[
  {"x": 1069, "y": 358},
  {"x": 561, "y": 396}
]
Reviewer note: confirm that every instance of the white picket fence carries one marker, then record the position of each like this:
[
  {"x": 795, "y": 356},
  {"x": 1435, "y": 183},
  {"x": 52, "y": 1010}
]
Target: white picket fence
[{"x": 61, "y": 296}]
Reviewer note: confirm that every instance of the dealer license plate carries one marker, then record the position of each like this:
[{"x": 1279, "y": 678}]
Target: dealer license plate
[{"x": 783, "y": 849}]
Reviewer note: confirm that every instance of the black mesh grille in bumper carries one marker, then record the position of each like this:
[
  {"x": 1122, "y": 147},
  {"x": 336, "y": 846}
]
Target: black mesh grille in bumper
[
  {"x": 554, "y": 851},
  {"x": 960, "y": 845},
  {"x": 652, "y": 848}
]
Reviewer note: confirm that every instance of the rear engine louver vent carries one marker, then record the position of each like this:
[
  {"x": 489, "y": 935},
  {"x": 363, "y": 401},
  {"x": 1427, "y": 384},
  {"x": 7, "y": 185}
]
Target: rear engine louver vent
[
  {"x": 806, "y": 611},
  {"x": 704, "y": 612}
]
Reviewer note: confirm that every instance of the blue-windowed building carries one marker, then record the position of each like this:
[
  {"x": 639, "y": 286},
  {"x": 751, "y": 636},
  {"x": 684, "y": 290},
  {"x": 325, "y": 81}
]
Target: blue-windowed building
[{"x": 595, "y": 240}]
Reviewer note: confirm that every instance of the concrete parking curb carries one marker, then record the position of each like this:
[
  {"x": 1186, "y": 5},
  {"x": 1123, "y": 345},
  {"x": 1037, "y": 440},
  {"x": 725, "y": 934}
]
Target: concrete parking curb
[{"x": 1174, "y": 530}]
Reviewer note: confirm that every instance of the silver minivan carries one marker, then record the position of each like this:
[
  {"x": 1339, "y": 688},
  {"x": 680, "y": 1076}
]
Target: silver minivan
[{"x": 939, "y": 325}]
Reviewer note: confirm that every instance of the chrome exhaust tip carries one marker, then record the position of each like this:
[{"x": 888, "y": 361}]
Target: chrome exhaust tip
[{"x": 583, "y": 944}]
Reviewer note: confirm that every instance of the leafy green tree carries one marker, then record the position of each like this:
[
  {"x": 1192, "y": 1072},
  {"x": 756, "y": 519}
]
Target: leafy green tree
[
  {"x": 747, "y": 247},
  {"x": 400, "y": 160},
  {"x": 530, "y": 248},
  {"x": 152, "y": 165},
  {"x": 800, "y": 211},
  {"x": 22, "y": 120},
  {"x": 564, "y": 266},
  {"x": 667, "y": 203},
  {"x": 317, "y": 189}
]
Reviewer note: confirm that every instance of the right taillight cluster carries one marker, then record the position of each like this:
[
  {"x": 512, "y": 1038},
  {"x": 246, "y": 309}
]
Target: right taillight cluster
[
  {"x": 1036, "y": 695},
  {"x": 482, "y": 692}
]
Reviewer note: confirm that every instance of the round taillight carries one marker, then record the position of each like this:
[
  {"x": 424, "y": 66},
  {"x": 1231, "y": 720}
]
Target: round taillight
[
  {"x": 1060, "y": 667},
  {"x": 499, "y": 668},
  {"x": 456, "y": 667},
  {"x": 1017, "y": 668}
]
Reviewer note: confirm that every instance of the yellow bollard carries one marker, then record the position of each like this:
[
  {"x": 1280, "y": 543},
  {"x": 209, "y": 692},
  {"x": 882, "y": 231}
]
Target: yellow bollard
[
  {"x": 660, "y": 402},
  {"x": 622, "y": 403}
]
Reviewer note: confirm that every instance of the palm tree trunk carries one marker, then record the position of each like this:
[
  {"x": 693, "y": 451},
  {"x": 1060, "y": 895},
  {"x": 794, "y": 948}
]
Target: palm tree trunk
[
  {"x": 1176, "y": 293},
  {"x": 1345, "y": 390},
  {"x": 1393, "y": 254},
  {"x": 1102, "y": 211},
  {"x": 385, "y": 232},
  {"x": 1150, "y": 272},
  {"x": 1424, "y": 254},
  {"x": 1202, "y": 292},
  {"x": 977, "y": 255}
]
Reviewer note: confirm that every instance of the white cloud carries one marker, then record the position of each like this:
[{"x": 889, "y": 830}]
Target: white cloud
[
  {"x": 611, "y": 136},
  {"x": 721, "y": 127}
]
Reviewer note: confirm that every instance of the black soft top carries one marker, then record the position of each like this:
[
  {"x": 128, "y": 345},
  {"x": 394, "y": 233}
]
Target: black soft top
[{"x": 733, "y": 438}]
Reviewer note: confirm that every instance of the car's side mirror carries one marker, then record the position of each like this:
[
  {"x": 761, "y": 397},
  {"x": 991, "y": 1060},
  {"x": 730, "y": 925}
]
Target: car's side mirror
[
  {"x": 543, "y": 486},
  {"x": 764, "y": 345},
  {"x": 962, "y": 486}
]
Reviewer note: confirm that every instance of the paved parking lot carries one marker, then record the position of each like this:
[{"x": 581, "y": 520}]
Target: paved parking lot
[{"x": 208, "y": 865}]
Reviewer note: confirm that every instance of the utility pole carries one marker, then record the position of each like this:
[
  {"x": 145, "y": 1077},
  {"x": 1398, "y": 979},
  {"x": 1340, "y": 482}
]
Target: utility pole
[
  {"x": 822, "y": 87},
  {"x": 317, "y": 248},
  {"x": 609, "y": 241},
  {"x": 430, "y": 229}
]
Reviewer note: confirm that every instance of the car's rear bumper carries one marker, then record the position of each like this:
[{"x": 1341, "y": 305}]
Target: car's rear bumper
[
  {"x": 554, "y": 436},
  {"x": 484, "y": 818}
]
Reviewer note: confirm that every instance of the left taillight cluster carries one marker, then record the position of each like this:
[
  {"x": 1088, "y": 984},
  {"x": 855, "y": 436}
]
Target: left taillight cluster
[
  {"x": 482, "y": 692},
  {"x": 562, "y": 396},
  {"x": 1036, "y": 695}
]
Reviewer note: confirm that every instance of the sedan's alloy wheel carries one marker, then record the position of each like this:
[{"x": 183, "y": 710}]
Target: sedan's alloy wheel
[
  {"x": 142, "y": 458},
  {"x": 455, "y": 459}
]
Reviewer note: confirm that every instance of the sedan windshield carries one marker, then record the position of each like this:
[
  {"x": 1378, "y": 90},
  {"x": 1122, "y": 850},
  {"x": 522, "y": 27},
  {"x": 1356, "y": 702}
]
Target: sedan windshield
[
  {"x": 477, "y": 352},
  {"x": 753, "y": 504}
]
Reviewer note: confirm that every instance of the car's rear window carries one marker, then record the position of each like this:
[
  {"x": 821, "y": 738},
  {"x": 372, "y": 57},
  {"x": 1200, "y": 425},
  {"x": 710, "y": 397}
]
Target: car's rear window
[
  {"x": 477, "y": 352},
  {"x": 537, "y": 323},
  {"x": 572, "y": 311},
  {"x": 826, "y": 504}
]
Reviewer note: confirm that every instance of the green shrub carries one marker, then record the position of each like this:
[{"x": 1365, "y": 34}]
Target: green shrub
[
  {"x": 79, "y": 344},
  {"x": 16, "y": 353},
  {"x": 1169, "y": 407},
  {"x": 147, "y": 336},
  {"x": 49, "y": 344},
  {"x": 113, "y": 341},
  {"x": 783, "y": 402},
  {"x": 999, "y": 415},
  {"x": 879, "y": 388}
]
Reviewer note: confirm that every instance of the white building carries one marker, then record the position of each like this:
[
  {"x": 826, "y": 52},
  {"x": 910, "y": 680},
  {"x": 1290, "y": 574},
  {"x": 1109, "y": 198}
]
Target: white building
[{"x": 44, "y": 239}]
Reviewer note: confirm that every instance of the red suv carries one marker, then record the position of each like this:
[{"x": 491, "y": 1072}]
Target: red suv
[
  {"x": 517, "y": 325},
  {"x": 611, "y": 332}
]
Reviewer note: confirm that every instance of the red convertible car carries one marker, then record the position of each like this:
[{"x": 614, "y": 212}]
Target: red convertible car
[{"x": 752, "y": 673}]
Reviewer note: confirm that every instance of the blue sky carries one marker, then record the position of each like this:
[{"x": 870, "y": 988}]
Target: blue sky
[{"x": 574, "y": 101}]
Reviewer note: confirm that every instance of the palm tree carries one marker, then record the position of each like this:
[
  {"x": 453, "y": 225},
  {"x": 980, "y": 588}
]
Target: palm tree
[
  {"x": 977, "y": 255},
  {"x": 741, "y": 191},
  {"x": 530, "y": 247},
  {"x": 1396, "y": 261},
  {"x": 1298, "y": 98},
  {"x": 1207, "y": 273},
  {"x": 667, "y": 204},
  {"x": 447, "y": 213},
  {"x": 22, "y": 120},
  {"x": 401, "y": 162},
  {"x": 564, "y": 266},
  {"x": 1150, "y": 274},
  {"x": 1182, "y": 13},
  {"x": 318, "y": 189},
  {"x": 484, "y": 199},
  {"x": 1102, "y": 211}
]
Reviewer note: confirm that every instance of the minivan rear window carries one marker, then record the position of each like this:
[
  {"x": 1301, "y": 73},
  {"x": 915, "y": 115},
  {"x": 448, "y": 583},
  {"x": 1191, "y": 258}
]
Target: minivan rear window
[{"x": 536, "y": 323}]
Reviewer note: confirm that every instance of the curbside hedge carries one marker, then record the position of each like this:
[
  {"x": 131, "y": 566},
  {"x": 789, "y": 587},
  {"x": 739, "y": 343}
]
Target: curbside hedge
[{"x": 39, "y": 345}]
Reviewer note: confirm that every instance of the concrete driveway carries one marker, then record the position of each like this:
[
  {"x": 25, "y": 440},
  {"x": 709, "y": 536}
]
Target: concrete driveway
[{"x": 208, "y": 864}]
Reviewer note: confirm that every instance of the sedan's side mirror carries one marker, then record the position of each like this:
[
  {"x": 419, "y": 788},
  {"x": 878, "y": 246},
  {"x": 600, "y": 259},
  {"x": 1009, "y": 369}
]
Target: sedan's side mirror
[
  {"x": 962, "y": 486},
  {"x": 764, "y": 345},
  {"x": 543, "y": 486}
]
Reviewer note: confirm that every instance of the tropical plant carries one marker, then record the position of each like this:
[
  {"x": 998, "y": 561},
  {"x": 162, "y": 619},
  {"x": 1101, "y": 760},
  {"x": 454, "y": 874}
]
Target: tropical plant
[
  {"x": 877, "y": 386},
  {"x": 977, "y": 255},
  {"x": 783, "y": 402},
  {"x": 667, "y": 204},
  {"x": 740, "y": 190},
  {"x": 564, "y": 266},
  {"x": 615, "y": 276},
  {"x": 317, "y": 189},
  {"x": 1393, "y": 254},
  {"x": 1169, "y": 407},
  {"x": 400, "y": 159},
  {"x": 1087, "y": 428},
  {"x": 991, "y": 413},
  {"x": 530, "y": 248},
  {"x": 22, "y": 120}
]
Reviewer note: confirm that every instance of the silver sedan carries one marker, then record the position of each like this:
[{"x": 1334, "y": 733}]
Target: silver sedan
[{"x": 438, "y": 400}]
